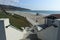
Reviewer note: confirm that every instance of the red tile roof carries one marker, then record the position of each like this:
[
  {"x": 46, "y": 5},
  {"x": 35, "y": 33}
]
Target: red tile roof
[{"x": 57, "y": 16}]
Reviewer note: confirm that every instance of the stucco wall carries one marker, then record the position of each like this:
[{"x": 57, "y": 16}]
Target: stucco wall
[
  {"x": 6, "y": 21},
  {"x": 48, "y": 33}
]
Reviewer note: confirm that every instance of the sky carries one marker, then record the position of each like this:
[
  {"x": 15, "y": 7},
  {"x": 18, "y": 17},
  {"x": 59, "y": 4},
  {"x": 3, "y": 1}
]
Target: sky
[{"x": 34, "y": 4}]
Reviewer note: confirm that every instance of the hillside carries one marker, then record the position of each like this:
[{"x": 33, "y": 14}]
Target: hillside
[
  {"x": 16, "y": 20},
  {"x": 9, "y": 7}
]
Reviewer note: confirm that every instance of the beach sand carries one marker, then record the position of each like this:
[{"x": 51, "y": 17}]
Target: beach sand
[{"x": 30, "y": 16}]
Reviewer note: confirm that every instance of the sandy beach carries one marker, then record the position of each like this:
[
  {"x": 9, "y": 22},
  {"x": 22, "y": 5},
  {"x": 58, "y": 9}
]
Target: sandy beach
[{"x": 30, "y": 16}]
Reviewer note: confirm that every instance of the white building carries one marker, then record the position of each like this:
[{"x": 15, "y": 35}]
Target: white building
[
  {"x": 52, "y": 31},
  {"x": 10, "y": 33}
]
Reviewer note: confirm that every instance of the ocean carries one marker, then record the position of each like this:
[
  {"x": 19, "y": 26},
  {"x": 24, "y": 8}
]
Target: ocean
[{"x": 43, "y": 12}]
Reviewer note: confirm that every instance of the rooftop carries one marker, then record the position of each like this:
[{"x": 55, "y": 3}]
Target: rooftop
[{"x": 53, "y": 16}]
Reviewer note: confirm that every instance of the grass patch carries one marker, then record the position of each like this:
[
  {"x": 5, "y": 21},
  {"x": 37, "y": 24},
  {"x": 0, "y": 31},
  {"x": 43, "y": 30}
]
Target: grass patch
[{"x": 16, "y": 20}]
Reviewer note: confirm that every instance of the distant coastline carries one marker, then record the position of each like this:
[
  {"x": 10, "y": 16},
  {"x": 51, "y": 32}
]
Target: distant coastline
[{"x": 14, "y": 8}]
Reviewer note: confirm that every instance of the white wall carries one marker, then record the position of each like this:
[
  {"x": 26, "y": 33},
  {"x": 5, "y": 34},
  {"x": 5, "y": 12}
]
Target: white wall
[
  {"x": 14, "y": 34},
  {"x": 58, "y": 23},
  {"x": 6, "y": 21},
  {"x": 49, "y": 33},
  {"x": 58, "y": 36},
  {"x": 10, "y": 33}
]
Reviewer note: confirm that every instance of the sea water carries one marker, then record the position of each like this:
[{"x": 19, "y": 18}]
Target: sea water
[{"x": 44, "y": 12}]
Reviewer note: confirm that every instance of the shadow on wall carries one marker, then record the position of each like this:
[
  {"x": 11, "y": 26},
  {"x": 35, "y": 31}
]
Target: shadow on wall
[
  {"x": 33, "y": 37},
  {"x": 2, "y": 30}
]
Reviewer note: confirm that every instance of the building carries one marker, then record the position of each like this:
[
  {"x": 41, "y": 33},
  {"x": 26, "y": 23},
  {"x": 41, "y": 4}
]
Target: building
[
  {"x": 10, "y": 32},
  {"x": 52, "y": 30}
]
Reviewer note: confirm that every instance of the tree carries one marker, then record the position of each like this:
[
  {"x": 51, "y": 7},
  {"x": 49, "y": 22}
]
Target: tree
[{"x": 37, "y": 14}]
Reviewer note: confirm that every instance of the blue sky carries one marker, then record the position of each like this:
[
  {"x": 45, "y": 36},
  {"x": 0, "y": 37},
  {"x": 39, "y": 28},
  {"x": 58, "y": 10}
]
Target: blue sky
[{"x": 34, "y": 4}]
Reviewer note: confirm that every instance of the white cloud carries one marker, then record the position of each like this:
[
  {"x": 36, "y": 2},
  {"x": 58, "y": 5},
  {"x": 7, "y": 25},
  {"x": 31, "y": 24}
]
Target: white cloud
[
  {"x": 14, "y": 0},
  {"x": 10, "y": 2}
]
